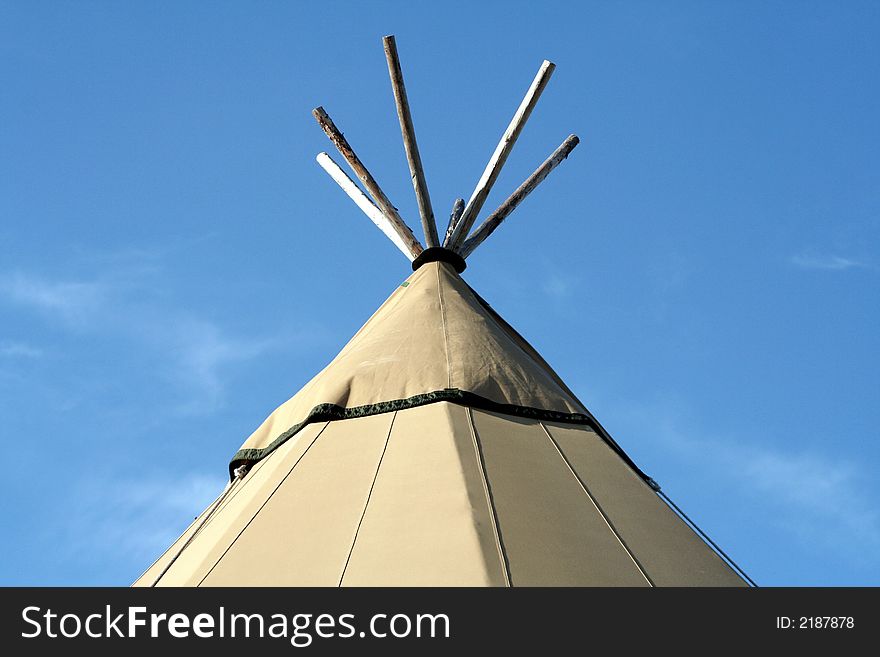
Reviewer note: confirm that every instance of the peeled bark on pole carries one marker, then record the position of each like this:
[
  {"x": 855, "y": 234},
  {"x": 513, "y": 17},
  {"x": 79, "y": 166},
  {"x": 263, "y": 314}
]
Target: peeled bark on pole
[
  {"x": 499, "y": 157},
  {"x": 355, "y": 194},
  {"x": 417, "y": 173},
  {"x": 494, "y": 220},
  {"x": 457, "y": 209},
  {"x": 387, "y": 208}
]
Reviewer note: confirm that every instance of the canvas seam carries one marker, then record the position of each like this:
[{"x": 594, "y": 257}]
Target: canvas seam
[
  {"x": 598, "y": 506},
  {"x": 487, "y": 489},
  {"x": 445, "y": 330},
  {"x": 516, "y": 338},
  {"x": 209, "y": 510},
  {"x": 367, "y": 502},
  {"x": 214, "y": 513},
  {"x": 262, "y": 506}
]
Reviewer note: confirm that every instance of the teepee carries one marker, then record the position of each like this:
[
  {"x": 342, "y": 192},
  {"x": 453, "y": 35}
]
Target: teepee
[{"x": 438, "y": 448}]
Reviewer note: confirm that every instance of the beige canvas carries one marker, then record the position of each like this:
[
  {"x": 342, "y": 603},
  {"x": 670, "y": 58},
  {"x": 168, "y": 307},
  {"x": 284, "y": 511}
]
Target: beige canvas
[
  {"x": 437, "y": 449},
  {"x": 443, "y": 495}
]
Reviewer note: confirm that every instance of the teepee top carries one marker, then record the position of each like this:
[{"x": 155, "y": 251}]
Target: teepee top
[
  {"x": 434, "y": 339},
  {"x": 459, "y": 242}
]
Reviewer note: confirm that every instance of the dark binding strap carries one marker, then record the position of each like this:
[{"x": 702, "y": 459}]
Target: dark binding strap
[
  {"x": 331, "y": 412},
  {"x": 439, "y": 254}
]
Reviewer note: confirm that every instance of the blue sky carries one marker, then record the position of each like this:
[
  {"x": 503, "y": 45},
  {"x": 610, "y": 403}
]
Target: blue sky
[{"x": 703, "y": 270}]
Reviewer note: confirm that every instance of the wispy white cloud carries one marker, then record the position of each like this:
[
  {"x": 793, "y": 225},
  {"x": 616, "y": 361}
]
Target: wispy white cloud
[
  {"x": 820, "y": 497},
  {"x": 10, "y": 349},
  {"x": 826, "y": 261},
  {"x": 201, "y": 351},
  {"x": 830, "y": 490},
  {"x": 72, "y": 301},
  {"x": 140, "y": 259},
  {"x": 558, "y": 287},
  {"x": 191, "y": 352},
  {"x": 134, "y": 520}
]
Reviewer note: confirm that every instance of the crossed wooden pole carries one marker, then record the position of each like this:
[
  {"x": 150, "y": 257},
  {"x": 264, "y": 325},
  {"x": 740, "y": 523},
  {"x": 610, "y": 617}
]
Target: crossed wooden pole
[{"x": 458, "y": 236}]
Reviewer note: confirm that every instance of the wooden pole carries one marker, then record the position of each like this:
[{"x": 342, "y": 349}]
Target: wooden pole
[
  {"x": 499, "y": 157},
  {"x": 416, "y": 171},
  {"x": 355, "y": 194},
  {"x": 387, "y": 208},
  {"x": 495, "y": 219},
  {"x": 457, "y": 209}
]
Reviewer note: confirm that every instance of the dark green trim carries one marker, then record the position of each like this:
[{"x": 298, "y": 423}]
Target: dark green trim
[{"x": 331, "y": 412}]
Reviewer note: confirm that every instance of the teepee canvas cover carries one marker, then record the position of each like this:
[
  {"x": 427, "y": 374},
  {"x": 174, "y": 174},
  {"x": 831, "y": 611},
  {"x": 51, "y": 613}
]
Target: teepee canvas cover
[{"x": 437, "y": 449}]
